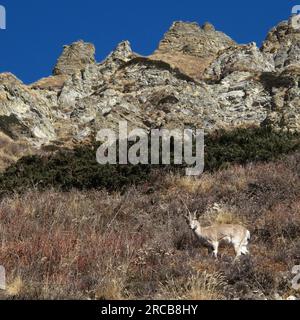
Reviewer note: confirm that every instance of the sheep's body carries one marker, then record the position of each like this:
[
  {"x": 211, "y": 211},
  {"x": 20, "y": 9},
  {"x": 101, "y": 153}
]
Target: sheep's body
[{"x": 234, "y": 234}]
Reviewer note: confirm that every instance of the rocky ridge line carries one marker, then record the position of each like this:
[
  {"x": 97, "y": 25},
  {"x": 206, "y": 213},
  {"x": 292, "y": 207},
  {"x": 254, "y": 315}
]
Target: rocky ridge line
[{"x": 197, "y": 77}]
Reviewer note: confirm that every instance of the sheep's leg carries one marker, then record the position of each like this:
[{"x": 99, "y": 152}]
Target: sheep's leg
[
  {"x": 215, "y": 251},
  {"x": 238, "y": 250},
  {"x": 244, "y": 250}
]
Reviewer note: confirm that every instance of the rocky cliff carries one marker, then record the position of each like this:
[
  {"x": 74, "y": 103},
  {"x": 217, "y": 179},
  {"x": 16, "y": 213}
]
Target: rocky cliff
[{"x": 197, "y": 77}]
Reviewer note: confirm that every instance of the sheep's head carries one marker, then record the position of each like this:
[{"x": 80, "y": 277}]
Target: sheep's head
[{"x": 192, "y": 220}]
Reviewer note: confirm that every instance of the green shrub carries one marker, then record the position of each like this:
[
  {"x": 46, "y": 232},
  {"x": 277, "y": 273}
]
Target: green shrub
[
  {"x": 69, "y": 169},
  {"x": 247, "y": 145},
  {"x": 79, "y": 169}
]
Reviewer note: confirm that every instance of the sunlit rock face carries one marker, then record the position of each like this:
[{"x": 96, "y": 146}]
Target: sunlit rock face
[
  {"x": 74, "y": 58},
  {"x": 191, "y": 48},
  {"x": 197, "y": 77}
]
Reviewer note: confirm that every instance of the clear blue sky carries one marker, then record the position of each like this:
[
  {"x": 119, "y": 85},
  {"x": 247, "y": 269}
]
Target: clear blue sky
[{"x": 37, "y": 29}]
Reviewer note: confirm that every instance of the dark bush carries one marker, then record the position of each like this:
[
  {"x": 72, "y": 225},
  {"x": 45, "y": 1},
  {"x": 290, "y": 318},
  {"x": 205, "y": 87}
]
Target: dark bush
[
  {"x": 69, "y": 169},
  {"x": 79, "y": 169},
  {"x": 247, "y": 145}
]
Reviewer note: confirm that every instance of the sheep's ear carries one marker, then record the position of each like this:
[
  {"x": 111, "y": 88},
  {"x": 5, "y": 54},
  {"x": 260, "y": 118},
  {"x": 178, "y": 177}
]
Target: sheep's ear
[{"x": 195, "y": 214}]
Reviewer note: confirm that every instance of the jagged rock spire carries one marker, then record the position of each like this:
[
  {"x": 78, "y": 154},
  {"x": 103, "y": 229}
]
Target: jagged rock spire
[
  {"x": 75, "y": 57},
  {"x": 123, "y": 51},
  {"x": 207, "y": 27},
  {"x": 191, "y": 48},
  {"x": 190, "y": 38}
]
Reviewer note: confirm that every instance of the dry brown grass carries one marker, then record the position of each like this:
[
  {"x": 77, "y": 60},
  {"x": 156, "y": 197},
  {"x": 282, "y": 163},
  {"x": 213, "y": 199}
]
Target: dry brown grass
[
  {"x": 190, "y": 184},
  {"x": 188, "y": 64},
  {"x": 199, "y": 286},
  {"x": 136, "y": 244},
  {"x": 15, "y": 288},
  {"x": 11, "y": 151}
]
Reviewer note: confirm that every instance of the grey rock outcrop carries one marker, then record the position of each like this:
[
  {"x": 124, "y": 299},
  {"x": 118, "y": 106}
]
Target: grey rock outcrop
[
  {"x": 283, "y": 44},
  {"x": 191, "y": 48},
  {"x": 24, "y": 113},
  {"x": 243, "y": 58},
  {"x": 197, "y": 77},
  {"x": 191, "y": 39},
  {"x": 74, "y": 58}
]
